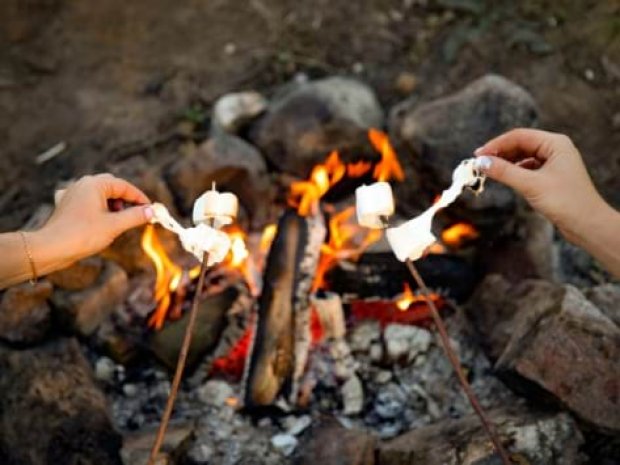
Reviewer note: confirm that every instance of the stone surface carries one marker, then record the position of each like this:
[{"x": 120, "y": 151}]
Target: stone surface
[
  {"x": 328, "y": 443},
  {"x": 551, "y": 340},
  {"x": 607, "y": 298},
  {"x": 215, "y": 392},
  {"x": 285, "y": 443},
  {"x": 51, "y": 411},
  {"x": 536, "y": 438},
  {"x": 83, "y": 311},
  {"x": 78, "y": 276},
  {"x": 210, "y": 323},
  {"x": 25, "y": 315},
  {"x": 352, "y": 396},
  {"x": 364, "y": 335},
  {"x": 137, "y": 445},
  {"x": 306, "y": 121},
  {"x": 230, "y": 162},
  {"x": 404, "y": 342},
  {"x": 233, "y": 111},
  {"x": 433, "y": 137}
]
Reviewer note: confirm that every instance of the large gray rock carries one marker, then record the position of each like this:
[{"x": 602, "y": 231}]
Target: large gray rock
[
  {"x": 434, "y": 137},
  {"x": 536, "y": 438},
  {"x": 307, "y": 121},
  {"x": 231, "y": 163},
  {"x": 551, "y": 340}
]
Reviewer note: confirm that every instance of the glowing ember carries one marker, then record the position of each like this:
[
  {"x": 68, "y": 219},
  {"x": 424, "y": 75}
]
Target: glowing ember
[
  {"x": 387, "y": 311},
  {"x": 457, "y": 234},
  {"x": 233, "y": 363}
]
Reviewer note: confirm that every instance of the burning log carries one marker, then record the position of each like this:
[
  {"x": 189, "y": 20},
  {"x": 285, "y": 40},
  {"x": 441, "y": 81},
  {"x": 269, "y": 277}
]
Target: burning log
[{"x": 281, "y": 338}]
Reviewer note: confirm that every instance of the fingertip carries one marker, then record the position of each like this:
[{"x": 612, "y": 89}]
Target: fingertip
[{"x": 148, "y": 212}]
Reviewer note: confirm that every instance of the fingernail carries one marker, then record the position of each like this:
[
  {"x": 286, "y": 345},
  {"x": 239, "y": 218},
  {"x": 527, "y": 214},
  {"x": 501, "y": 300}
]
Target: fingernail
[
  {"x": 148, "y": 212},
  {"x": 479, "y": 150},
  {"x": 483, "y": 162}
]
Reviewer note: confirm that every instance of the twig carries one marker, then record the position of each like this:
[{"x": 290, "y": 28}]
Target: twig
[
  {"x": 456, "y": 365},
  {"x": 180, "y": 364}
]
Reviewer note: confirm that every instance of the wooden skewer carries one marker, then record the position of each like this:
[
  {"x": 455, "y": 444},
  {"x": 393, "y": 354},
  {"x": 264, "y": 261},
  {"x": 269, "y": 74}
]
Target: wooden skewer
[
  {"x": 456, "y": 365},
  {"x": 163, "y": 426}
]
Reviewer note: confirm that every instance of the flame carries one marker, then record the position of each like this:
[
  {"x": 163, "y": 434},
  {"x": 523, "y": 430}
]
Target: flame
[
  {"x": 347, "y": 241},
  {"x": 168, "y": 275},
  {"x": 266, "y": 239},
  {"x": 459, "y": 233},
  {"x": 389, "y": 166}
]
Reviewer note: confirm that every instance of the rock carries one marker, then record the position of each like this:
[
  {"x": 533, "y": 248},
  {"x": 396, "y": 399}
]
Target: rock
[
  {"x": 285, "y": 443},
  {"x": 210, "y": 323},
  {"x": 528, "y": 252},
  {"x": 233, "y": 111},
  {"x": 406, "y": 83},
  {"x": 25, "y": 315},
  {"x": 78, "y": 276},
  {"x": 404, "y": 342},
  {"x": 390, "y": 402},
  {"x": 137, "y": 445},
  {"x": 215, "y": 392},
  {"x": 83, "y": 311},
  {"x": 568, "y": 347},
  {"x": 200, "y": 454},
  {"x": 297, "y": 425},
  {"x": 352, "y": 396},
  {"x": 105, "y": 369},
  {"x": 607, "y": 298},
  {"x": 328, "y": 443},
  {"x": 435, "y": 136},
  {"x": 363, "y": 335},
  {"x": 51, "y": 411},
  {"x": 147, "y": 177},
  {"x": 306, "y": 121},
  {"x": 550, "y": 340},
  {"x": 231, "y": 163},
  {"x": 536, "y": 438}
]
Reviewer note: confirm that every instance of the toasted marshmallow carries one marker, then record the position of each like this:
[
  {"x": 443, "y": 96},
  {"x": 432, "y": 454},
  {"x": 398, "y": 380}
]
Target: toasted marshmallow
[
  {"x": 374, "y": 204},
  {"x": 411, "y": 239},
  {"x": 203, "y": 238},
  {"x": 220, "y": 208}
]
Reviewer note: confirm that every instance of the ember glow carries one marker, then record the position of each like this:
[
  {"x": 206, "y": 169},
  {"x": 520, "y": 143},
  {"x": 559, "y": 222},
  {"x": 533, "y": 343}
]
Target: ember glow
[{"x": 458, "y": 234}]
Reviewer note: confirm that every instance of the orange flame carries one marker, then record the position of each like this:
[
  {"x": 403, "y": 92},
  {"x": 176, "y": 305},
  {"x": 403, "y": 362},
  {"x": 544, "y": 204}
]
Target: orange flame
[
  {"x": 459, "y": 233},
  {"x": 389, "y": 166},
  {"x": 269, "y": 234},
  {"x": 347, "y": 241},
  {"x": 168, "y": 275},
  {"x": 408, "y": 298}
]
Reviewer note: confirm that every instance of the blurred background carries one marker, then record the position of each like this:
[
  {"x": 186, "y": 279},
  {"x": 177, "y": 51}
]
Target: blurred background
[{"x": 99, "y": 82}]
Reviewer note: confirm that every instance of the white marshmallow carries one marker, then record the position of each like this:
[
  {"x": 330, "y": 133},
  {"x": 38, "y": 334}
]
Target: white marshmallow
[
  {"x": 374, "y": 204},
  {"x": 197, "y": 240},
  {"x": 411, "y": 239},
  {"x": 219, "y": 207}
]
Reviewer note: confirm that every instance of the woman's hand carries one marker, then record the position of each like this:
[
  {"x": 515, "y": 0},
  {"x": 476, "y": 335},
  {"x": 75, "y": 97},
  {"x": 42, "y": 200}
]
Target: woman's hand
[
  {"x": 549, "y": 172},
  {"x": 83, "y": 225},
  {"x": 547, "y": 169}
]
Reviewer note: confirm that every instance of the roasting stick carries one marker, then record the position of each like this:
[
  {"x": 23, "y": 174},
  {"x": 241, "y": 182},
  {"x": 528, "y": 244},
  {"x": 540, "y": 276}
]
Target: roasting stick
[
  {"x": 456, "y": 365},
  {"x": 189, "y": 331}
]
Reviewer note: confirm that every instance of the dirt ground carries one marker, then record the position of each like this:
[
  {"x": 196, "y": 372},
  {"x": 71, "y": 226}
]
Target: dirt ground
[{"x": 114, "y": 78}]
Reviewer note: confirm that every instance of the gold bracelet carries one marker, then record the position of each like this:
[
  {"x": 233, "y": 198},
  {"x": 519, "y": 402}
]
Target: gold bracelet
[{"x": 33, "y": 279}]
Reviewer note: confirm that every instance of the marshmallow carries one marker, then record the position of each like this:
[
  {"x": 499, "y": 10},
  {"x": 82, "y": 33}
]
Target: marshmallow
[
  {"x": 411, "y": 239},
  {"x": 374, "y": 204},
  {"x": 197, "y": 240},
  {"x": 219, "y": 207}
]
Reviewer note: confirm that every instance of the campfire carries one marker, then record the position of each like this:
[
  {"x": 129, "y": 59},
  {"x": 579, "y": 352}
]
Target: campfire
[{"x": 271, "y": 294}]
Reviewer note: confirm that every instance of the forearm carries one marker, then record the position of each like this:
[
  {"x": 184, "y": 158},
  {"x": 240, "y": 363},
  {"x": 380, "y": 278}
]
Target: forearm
[
  {"x": 45, "y": 251},
  {"x": 600, "y": 236}
]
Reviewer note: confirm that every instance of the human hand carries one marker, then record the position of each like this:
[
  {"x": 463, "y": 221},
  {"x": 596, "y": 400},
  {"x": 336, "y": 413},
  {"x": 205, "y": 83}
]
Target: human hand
[
  {"x": 547, "y": 169},
  {"x": 82, "y": 224}
]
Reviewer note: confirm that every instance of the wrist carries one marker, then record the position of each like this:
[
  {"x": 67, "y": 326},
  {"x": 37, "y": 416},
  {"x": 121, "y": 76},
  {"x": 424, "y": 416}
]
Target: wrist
[
  {"x": 49, "y": 250},
  {"x": 590, "y": 223}
]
